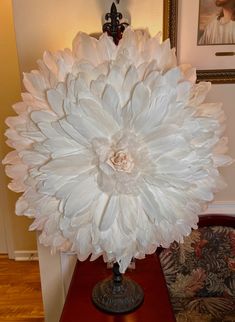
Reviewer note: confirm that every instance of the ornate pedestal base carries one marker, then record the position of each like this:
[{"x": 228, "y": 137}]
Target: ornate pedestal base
[{"x": 118, "y": 294}]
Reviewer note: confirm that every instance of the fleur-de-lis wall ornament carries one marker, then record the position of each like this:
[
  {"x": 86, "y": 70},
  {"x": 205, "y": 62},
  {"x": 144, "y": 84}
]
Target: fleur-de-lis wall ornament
[{"x": 114, "y": 28}]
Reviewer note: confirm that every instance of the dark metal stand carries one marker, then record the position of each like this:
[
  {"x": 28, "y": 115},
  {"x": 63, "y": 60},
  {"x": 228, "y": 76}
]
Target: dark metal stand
[
  {"x": 114, "y": 28},
  {"x": 117, "y": 294}
]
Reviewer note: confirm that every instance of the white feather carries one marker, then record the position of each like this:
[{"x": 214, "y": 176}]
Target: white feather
[{"x": 116, "y": 150}]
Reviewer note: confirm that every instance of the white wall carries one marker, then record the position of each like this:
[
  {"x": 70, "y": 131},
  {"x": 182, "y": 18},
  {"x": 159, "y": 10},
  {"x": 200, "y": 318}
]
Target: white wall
[
  {"x": 203, "y": 57},
  {"x": 56, "y": 273},
  {"x": 225, "y": 93},
  {"x": 18, "y": 237}
]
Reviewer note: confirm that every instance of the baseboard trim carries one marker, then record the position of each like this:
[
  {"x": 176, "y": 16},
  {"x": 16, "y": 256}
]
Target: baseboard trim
[
  {"x": 26, "y": 255},
  {"x": 221, "y": 207}
]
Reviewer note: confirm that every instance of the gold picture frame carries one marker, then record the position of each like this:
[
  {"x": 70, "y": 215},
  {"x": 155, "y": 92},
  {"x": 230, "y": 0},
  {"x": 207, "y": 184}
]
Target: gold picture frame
[{"x": 170, "y": 30}]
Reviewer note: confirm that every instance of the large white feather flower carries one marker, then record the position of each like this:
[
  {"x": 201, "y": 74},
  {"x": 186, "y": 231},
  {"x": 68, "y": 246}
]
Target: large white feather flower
[{"x": 115, "y": 151}]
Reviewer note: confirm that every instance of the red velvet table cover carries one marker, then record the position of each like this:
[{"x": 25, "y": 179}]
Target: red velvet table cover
[{"x": 148, "y": 273}]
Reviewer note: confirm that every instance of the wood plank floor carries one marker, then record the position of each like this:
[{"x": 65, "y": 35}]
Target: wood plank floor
[{"x": 20, "y": 291}]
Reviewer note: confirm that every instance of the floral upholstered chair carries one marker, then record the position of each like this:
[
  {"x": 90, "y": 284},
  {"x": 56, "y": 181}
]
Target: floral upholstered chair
[{"x": 200, "y": 273}]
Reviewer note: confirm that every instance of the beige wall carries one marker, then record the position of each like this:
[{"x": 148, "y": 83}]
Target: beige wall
[
  {"x": 10, "y": 93},
  {"x": 203, "y": 57},
  {"x": 52, "y": 25},
  {"x": 226, "y": 94}
]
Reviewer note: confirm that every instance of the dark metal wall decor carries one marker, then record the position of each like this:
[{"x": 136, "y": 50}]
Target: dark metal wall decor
[
  {"x": 216, "y": 76},
  {"x": 114, "y": 28}
]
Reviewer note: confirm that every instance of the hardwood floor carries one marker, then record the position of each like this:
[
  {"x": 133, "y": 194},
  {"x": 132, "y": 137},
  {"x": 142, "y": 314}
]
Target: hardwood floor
[{"x": 20, "y": 291}]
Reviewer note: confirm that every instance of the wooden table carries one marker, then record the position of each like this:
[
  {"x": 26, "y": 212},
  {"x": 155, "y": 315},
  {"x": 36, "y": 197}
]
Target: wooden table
[{"x": 156, "y": 307}]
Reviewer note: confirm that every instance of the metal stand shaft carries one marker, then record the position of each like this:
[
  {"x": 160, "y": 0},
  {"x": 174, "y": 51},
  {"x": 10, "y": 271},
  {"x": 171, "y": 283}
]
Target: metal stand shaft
[{"x": 117, "y": 294}]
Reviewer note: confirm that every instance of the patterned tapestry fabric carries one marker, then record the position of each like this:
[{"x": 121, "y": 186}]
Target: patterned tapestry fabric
[{"x": 200, "y": 275}]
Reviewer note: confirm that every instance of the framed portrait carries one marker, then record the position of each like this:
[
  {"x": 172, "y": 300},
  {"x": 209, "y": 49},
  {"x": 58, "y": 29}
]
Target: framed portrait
[{"x": 203, "y": 33}]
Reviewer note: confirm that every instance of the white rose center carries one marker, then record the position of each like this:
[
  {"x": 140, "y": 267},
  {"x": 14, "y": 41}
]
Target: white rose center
[{"x": 121, "y": 161}]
